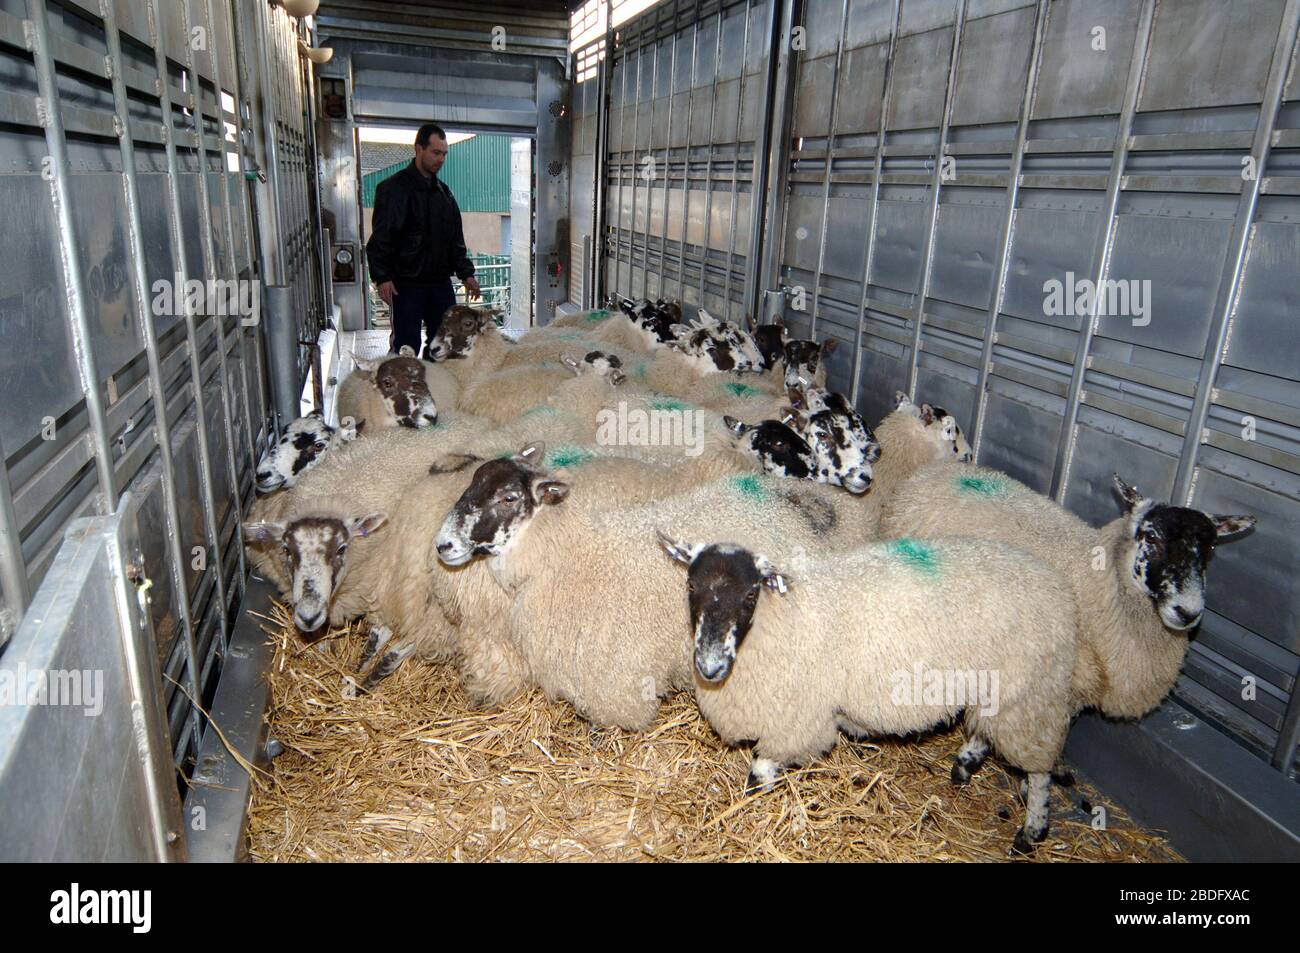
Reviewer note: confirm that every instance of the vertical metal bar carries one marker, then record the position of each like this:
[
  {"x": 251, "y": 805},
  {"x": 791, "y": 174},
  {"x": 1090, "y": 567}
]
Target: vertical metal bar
[
  {"x": 1225, "y": 302},
  {"x": 709, "y": 156},
  {"x": 157, "y": 385},
  {"x": 50, "y": 110},
  {"x": 998, "y": 293},
  {"x": 176, "y": 223},
  {"x": 600, "y": 161},
  {"x": 636, "y": 175},
  {"x": 13, "y": 570},
  {"x": 686, "y": 160},
  {"x": 776, "y": 140},
  {"x": 622, "y": 141},
  {"x": 270, "y": 191},
  {"x": 735, "y": 162},
  {"x": 218, "y": 323},
  {"x": 650, "y": 150},
  {"x": 936, "y": 182},
  {"x": 668, "y": 159},
  {"x": 826, "y": 170},
  {"x": 215, "y": 62},
  {"x": 869, "y": 252},
  {"x": 1102, "y": 249},
  {"x": 1288, "y": 737}
]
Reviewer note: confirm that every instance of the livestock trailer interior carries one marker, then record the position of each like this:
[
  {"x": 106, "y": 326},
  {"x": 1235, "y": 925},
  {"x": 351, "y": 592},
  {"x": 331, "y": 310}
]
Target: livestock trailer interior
[{"x": 1073, "y": 224}]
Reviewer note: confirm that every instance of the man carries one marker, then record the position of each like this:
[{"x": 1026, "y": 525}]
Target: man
[{"x": 417, "y": 243}]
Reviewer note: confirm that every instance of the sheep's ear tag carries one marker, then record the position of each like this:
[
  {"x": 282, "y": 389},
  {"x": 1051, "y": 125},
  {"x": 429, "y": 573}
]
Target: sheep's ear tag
[
  {"x": 779, "y": 583},
  {"x": 735, "y": 426},
  {"x": 533, "y": 452},
  {"x": 551, "y": 492}
]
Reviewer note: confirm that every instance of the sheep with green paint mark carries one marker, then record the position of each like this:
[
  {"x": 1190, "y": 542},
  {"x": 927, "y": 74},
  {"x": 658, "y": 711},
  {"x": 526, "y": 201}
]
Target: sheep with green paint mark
[
  {"x": 839, "y": 643},
  {"x": 1138, "y": 582},
  {"x": 507, "y": 393},
  {"x": 596, "y": 615}
]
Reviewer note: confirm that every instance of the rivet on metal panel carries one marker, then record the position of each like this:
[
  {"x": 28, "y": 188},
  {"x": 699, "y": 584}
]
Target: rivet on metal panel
[
  {"x": 108, "y": 67},
  {"x": 119, "y": 129},
  {"x": 1184, "y": 720},
  {"x": 1205, "y": 435}
]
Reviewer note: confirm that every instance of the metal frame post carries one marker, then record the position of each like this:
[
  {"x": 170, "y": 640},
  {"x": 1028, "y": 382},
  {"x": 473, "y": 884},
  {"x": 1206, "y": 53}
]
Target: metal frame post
[{"x": 826, "y": 168}]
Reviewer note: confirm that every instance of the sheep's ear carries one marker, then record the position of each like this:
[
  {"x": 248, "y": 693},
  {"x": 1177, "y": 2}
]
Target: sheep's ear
[
  {"x": 738, "y": 427},
  {"x": 679, "y": 549},
  {"x": 348, "y": 428},
  {"x": 678, "y": 330},
  {"x": 366, "y": 525},
  {"x": 361, "y": 425},
  {"x": 1131, "y": 496},
  {"x": 950, "y": 428},
  {"x": 550, "y": 492},
  {"x": 797, "y": 397},
  {"x": 779, "y": 320},
  {"x": 365, "y": 366},
  {"x": 533, "y": 452},
  {"x": 571, "y": 362},
  {"x": 316, "y": 413},
  {"x": 616, "y": 377},
  {"x": 829, "y": 345},
  {"x": 790, "y": 417},
  {"x": 406, "y": 351},
  {"x": 903, "y": 402},
  {"x": 927, "y": 414},
  {"x": 1230, "y": 525},
  {"x": 777, "y": 581},
  {"x": 262, "y": 533},
  {"x": 750, "y": 323}
]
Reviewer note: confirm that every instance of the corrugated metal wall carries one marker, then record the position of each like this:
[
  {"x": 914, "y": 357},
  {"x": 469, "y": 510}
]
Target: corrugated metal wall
[
  {"x": 109, "y": 173},
  {"x": 477, "y": 171},
  {"x": 935, "y": 164},
  {"x": 686, "y": 104}
]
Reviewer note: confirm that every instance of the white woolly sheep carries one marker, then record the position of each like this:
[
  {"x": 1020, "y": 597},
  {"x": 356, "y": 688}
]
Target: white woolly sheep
[
  {"x": 388, "y": 392},
  {"x": 1138, "y": 581},
  {"x": 852, "y": 636},
  {"x": 301, "y": 446},
  {"x": 505, "y": 394}
]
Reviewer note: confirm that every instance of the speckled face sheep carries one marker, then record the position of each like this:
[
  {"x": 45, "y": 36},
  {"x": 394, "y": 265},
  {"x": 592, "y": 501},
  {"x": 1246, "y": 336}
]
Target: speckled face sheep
[
  {"x": 314, "y": 553},
  {"x": 605, "y": 364},
  {"x": 461, "y": 327},
  {"x": 403, "y": 393},
  {"x": 887, "y": 639},
  {"x": 779, "y": 450},
  {"x": 718, "y": 345},
  {"x": 770, "y": 341},
  {"x": 844, "y": 447},
  {"x": 1138, "y": 581},
  {"x": 805, "y": 361},
  {"x": 302, "y": 445}
]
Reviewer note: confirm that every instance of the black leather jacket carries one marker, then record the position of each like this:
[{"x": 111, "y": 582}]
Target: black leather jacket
[{"x": 416, "y": 232}]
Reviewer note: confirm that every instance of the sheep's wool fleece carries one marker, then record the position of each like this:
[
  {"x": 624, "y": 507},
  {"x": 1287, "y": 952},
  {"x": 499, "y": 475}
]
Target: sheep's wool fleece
[
  {"x": 1128, "y": 660},
  {"x": 846, "y": 638}
]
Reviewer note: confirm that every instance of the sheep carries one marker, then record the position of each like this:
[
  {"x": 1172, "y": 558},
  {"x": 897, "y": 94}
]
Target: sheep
[
  {"x": 716, "y": 345},
  {"x": 770, "y": 340},
  {"x": 388, "y": 392},
  {"x": 505, "y": 394},
  {"x": 848, "y": 642},
  {"x": 1138, "y": 581},
  {"x": 468, "y": 343},
  {"x": 804, "y": 362},
  {"x": 301, "y": 446},
  {"x": 578, "y": 555}
]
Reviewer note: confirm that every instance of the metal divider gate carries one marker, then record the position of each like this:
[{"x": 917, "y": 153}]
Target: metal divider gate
[
  {"x": 127, "y": 144},
  {"x": 935, "y": 166}
]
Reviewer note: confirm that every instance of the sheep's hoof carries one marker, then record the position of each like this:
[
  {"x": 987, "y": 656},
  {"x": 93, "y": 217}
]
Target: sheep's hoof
[
  {"x": 753, "y": 785},
  {"x": 960, "y": 774},
  {"x": 1064, "y": 777},
  {"x": 1024, "y": 843},
  {"x": 350, "y": 687}
]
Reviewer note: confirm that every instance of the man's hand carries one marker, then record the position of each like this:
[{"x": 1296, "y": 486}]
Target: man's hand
[
  {"x": 471, "y": 286},
  {"x": 386, "y": 292}
]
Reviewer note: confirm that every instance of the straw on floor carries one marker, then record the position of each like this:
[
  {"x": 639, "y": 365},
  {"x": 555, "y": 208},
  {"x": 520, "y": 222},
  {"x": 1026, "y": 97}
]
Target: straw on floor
[{"x": 415, "y": 772}]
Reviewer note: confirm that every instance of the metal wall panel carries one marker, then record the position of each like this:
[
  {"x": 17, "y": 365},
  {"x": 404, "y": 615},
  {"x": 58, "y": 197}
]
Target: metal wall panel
[{"x": 1099, "y": 140}]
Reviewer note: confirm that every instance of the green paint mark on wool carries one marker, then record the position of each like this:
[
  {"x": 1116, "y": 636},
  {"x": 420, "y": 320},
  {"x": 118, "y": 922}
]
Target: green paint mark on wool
[
  {"x": 540, "y": 409},
  {"x": 982, "y": 486},
  {"x": 564, "y": 457},
  {"x": 595, "y": 317},
  {"x": 741, "y": 390},
  {"x": 915, "y": 554},
  {"x": 667, "y": 403},
  {"x": 640, "y": 370},
  {"x": 750, "y": 487}
]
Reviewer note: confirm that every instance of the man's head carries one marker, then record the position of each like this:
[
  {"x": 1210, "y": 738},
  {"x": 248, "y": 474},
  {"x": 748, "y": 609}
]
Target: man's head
[{"x": 430, "y": 148}]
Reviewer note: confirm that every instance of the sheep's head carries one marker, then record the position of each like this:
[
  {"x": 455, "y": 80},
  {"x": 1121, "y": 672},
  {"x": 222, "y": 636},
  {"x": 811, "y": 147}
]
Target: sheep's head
[
  {"x": 461, "y": 327},
  {"x": 941, "y": 429},
  {"x": 723, "y": 583},
  {"x": 606, "y": 365},
  {"x": 403, "y": 389},
  {"x": 314, "y": 550},
  {"x": 803, "y": 359},
  {"x": 1166, "y": 551},
  {"x": 301, "y": 446},
  {"x": 497, "y": 507},
  {"x": 770, "y": 341},
  {"x": 780, "y": 450},
  {"x": 845, "y": 448}
]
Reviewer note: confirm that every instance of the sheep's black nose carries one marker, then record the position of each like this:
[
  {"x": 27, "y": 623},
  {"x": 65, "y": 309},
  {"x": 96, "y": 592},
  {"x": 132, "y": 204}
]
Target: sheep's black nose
[
  {"x": 445, "y": 547},
  {"x": 1185, "y": 617}
]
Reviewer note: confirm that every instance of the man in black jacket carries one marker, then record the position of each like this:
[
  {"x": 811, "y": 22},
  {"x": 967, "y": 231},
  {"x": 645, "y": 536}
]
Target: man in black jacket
[{"x": 417, "y": 243}]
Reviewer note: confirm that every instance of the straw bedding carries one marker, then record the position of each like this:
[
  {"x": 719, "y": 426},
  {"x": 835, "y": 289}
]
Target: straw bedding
[{"x": 414, "y": 772}]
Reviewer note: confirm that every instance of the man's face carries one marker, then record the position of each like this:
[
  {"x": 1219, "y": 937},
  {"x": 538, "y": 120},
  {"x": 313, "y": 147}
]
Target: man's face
[{"x": 431, "y": 157}]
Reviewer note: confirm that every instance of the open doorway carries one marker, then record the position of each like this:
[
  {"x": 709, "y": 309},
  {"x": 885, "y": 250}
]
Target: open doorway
[{"x": 491, "y": 176}]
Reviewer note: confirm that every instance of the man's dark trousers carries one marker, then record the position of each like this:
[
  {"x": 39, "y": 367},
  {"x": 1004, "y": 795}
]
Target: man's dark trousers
[{"x": 416, "y": 306}]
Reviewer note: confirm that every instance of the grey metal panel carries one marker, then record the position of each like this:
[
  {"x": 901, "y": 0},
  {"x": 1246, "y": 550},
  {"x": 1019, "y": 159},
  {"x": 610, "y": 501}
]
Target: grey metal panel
[
  {"x": 964, "y": 252},
  {"x": 863, "y": 81},
  {"x": 1020, "y": 440},
  {"x": 1076, "y": 79},
  {"x": 1206, "y": 53},
  {"x": 813, "y": 95},
  {"x": 919, "y": 87},
  {"x": 994, "y": 61},
  {"x": 848, "y": 218},
  {"x": 99, "y": 213},
  {"x": 1046, "y": 245},
  {"x": 1266, "y": 334},
  {"x": 899, "y": 234}
]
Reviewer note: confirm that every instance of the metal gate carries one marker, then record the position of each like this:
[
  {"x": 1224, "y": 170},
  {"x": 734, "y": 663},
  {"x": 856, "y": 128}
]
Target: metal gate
[
  {"x": 133, "y": 355},
  {"x": 939, "y": 170}
]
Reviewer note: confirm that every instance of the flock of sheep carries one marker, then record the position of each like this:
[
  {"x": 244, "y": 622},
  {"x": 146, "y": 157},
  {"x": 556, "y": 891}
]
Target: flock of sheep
[{"x": 498, "y": 504}]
